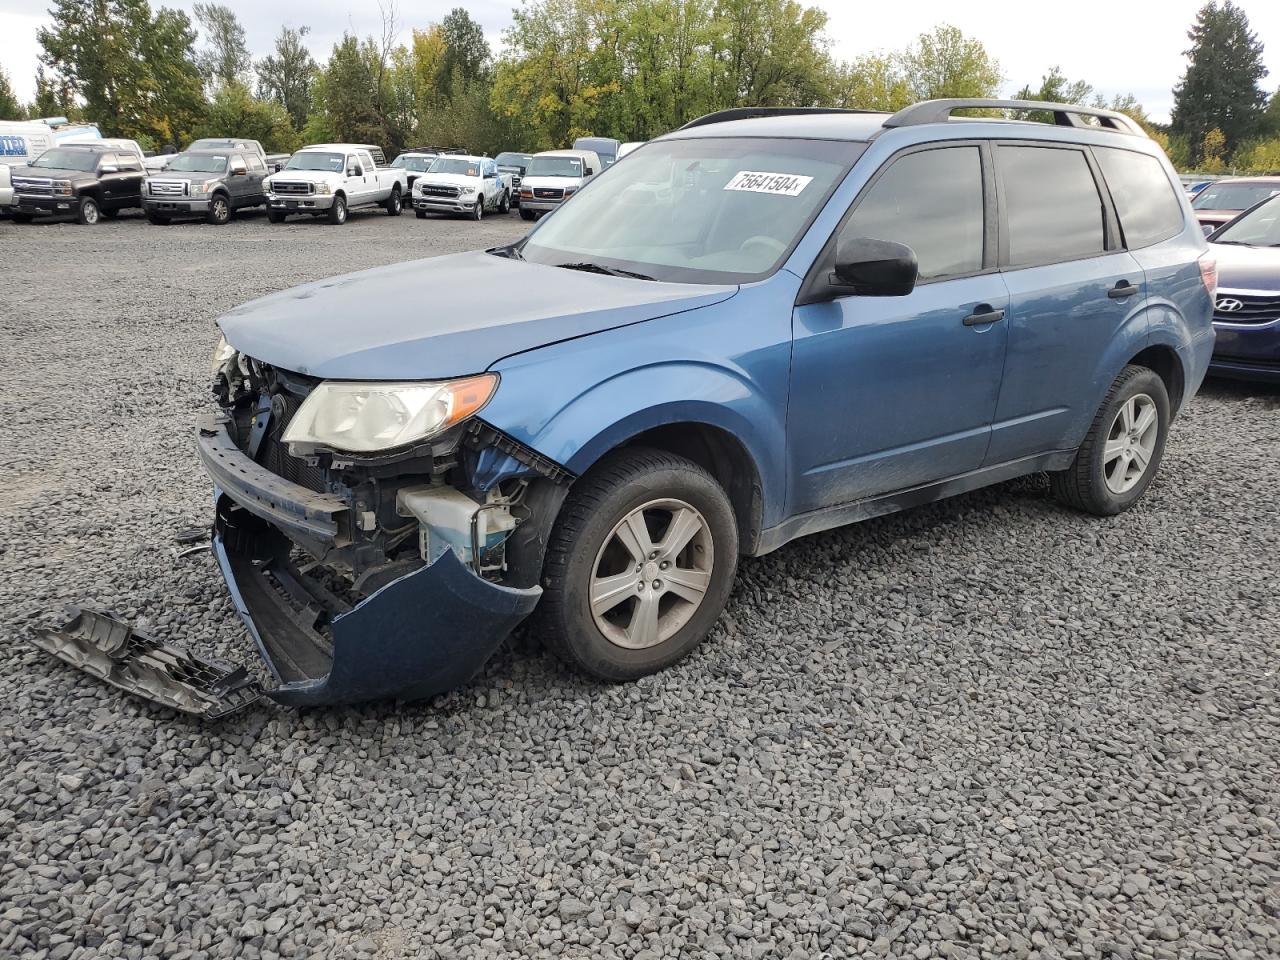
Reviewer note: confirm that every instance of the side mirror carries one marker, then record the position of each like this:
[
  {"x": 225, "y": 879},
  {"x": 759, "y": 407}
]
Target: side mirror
[
  {"x": 239, "y": 170},
  {"x": 1207, "y": 229},
  {"x": 352, "y": 172},
  {"x": 875, "y": 268},
  {"x": 108, "y": 168}
]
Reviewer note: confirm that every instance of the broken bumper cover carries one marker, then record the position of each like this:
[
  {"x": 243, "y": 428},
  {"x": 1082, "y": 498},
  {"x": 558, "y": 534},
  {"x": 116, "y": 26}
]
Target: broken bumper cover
[
  {"x": 107, "y": 648},
  {"x": 427, "y": 632}
]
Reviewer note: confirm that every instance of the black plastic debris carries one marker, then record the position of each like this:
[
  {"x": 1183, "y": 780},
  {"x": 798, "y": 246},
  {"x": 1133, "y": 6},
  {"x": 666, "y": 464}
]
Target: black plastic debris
[{"x": 105, "y": 647}]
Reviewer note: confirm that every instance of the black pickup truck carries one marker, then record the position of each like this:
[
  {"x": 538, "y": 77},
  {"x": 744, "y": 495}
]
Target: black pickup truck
[{"x": 86, "y": 180}]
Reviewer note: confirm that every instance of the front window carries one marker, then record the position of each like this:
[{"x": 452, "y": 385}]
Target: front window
[
  {"x": 555, "y": 167},
  {"x": 62, "y": 159},
  {"x": 198, "y": 163},
  {"x": 1234, "y": 196},
  {"x": 317, "y": 160},
  {"x": 1257, "y": 228},
  {"x": 512, "y": 159},
  {"x": 465, "y": 168},
  {"x": 711, "y": 210},
  {"x": 416, "y": 164}
]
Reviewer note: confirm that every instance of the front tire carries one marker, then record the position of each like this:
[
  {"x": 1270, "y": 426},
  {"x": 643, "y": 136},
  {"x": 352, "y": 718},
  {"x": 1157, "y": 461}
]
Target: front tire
[
  {"x": 219, "y": 210},
  {"x": 338, "y": 212},
  {"x": 639, "y": 566},
  {"x": 420, "y": 214},
  {"x": 395, "y": 203},
  {"x": 21, "y": 217},
  {"x": 477, "y": 212},
  {"x": 1122, "y": 451},
  {"x": 88, "y": 212}
]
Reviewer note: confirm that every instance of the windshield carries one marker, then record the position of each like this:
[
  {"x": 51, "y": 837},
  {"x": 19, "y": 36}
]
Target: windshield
[
  {"x": 63, "y": 159},
  {"x": 198, "y": 163},
  {"x": 1257, "y": 228},
  {"x": 513, "y": 159},
  {"x": 712, "y": 210},
  {"x": 316, "y": 160},
  {"x": 1233, "y": 196},
  {"x": 416, "y": 164},
  {"x": 467, "y": 168},
  {"x": 554, "y": 167}
]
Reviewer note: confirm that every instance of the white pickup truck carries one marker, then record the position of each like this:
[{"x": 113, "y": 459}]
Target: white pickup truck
[
  {"x": 462, "y": 184},
  {"x": 331, "y": 178}
]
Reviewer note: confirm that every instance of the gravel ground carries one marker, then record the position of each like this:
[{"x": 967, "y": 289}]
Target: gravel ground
[{"x": 986, "y": 727}]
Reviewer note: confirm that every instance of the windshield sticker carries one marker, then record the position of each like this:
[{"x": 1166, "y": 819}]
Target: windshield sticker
[{"x": 780, "y": 184}]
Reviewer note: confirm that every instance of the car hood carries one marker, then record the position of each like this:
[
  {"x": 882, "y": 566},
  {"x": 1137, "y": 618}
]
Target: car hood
[
  {"x": 568, "y": 183},
  {"x": 1247, "y": 268},
  {"x": 191, "y": 176},
  {"x": 444, "y": 317},
  {"x": 313, "y": 176},
  {"x": 451, "y": 179},
  {"x": 1217, "y": 216},
  {"x": 51, "y": 173}
]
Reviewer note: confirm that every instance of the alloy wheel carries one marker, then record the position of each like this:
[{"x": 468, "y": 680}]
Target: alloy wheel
[
  {"x": 1131, "y": 443},
  {"x": 651, "y": 574}
]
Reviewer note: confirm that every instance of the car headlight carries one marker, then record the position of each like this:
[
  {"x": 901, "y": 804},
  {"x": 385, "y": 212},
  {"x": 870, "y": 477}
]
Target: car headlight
[
  {"x": 222, "y": 353},
  {"x": 266, "y": 185},
  {"x": 324, "y": 189},
  {"x": 359, "y": 417},
  {"x": 468, "y": 191},
  {"x": 62, "y": 188}
]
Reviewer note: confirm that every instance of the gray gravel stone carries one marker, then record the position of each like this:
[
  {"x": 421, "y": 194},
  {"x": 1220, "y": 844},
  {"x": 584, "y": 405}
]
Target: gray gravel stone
[{"x": 986, "y": 727}]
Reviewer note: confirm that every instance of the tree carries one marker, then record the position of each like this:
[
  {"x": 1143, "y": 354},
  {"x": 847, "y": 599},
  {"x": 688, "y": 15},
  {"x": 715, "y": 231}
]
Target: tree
[
  {"x": 52, "y": 99},
  {"x": 466, "y": 52},
  {"x": 1220, "y": 89},
  {"x": 871, "y": 82},
  {"x": 351, "y": 92},
  {"x": 768, "y": 53},
  {"x": 946, "y": 63},
  {"x": 10, "y": 108},
  {"x": 225, "y": 59},
  {"x": 286, "y": 76},
  {"x": 135, "y": 73},
  {"x": 233, "y": 112},
  {"x": 1056, "y": 88},
  {"x": 1212, "y": 149}
]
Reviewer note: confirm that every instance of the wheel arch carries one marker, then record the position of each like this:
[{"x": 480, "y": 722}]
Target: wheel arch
[{"x": 1167, "y": 365}]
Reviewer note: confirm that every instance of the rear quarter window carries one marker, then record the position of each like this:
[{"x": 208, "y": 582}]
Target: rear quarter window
[{"x": 1149, "y": 209}]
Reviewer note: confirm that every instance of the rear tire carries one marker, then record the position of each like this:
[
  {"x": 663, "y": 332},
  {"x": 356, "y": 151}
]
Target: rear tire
[
  {"x": 504, "y": 205},
  {"x": 275, "y": 216},
  {"x": 88, "y": 212},
  {"x": 338, "y": 212},
  {"x": 526, "y": 214},
  {"x": 1122, "y": 451},
  {"x": 656, "y": 597},
  {"x": 395, "y": 203}
]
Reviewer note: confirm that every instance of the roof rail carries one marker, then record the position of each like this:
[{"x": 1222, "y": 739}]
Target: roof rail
[
  {"x": 1064, "y": 114},
  {"x": 752, "y": 113}
]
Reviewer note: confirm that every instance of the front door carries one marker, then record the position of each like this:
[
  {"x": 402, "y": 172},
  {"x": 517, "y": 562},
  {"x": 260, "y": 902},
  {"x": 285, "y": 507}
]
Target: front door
[{"x": 888, "y": 393}]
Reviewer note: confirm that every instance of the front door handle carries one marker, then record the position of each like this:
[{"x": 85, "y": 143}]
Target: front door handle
[
  {"x": 1121, "y": 290},
  {"x": 983, "y": 314}
]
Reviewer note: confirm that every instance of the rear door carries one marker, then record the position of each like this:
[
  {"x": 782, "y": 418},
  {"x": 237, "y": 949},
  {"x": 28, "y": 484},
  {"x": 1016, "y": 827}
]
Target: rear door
[
  {"x": 1072, "y": 287},
  {"x": 374, "y": 182}
]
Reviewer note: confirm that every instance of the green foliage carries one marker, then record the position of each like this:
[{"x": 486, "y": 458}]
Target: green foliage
[
  {"x": 946, "y": 63},
  {"x": 354, "y": 93},
  {"x": 466, "y": 52},
  {"x": 134, "y": 73},
  {"x": 10, "y": 108},
  {"x": 1056, "y": 88},
  {"x": 286, "y": 75},
  {"x": 235, "y": 113},
  {"x": 225, "y": 59},
  {"x": 1258, "y": 156},
  {"x": 871, "y": 82},
  {"x": 1220, "y": 89}
]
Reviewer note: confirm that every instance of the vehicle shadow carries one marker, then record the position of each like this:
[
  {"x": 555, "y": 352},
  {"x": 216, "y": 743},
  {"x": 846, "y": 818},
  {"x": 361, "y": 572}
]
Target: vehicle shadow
[{"x": 1223, "y": 388}]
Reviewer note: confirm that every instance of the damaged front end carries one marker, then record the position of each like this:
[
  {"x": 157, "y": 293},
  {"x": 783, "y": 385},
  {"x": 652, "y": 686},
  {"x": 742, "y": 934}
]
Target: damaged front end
[{"x": 392, "y": 574}]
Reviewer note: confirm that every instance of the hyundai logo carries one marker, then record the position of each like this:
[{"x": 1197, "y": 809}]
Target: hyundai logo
[{"x": 1229, "y": 305}]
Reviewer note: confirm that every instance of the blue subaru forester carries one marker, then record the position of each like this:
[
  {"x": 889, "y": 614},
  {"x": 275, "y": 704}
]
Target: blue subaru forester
[{"x": 766, "y": 324}]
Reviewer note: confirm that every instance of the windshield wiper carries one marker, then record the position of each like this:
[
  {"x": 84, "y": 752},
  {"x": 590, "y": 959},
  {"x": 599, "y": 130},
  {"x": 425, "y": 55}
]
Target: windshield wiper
[
  {"x": 588, "y": 267},
  {"x": 1234, "y": 243}
]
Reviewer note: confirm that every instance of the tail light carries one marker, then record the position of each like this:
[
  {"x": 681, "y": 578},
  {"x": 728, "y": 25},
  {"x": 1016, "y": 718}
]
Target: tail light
[{"x": 1209, "y": 274}]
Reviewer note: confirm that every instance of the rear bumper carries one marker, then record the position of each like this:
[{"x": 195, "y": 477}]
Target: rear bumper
[
  {"x": 424, "y": 633},
  {"x": 175, "y": 207}
]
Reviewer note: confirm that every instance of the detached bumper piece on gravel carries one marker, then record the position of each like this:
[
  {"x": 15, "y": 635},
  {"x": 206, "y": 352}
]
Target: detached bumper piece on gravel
[{"x": 107, "y": 648}]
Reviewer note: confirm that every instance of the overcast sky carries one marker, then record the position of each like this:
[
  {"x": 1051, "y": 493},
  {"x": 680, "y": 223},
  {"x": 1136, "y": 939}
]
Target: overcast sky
[{"x": 1119, "y": 46}]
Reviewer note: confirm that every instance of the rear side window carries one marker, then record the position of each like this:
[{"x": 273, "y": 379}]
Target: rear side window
[
  {"x": 1052, "y": 205},
  {"x": 1148, "y": 207},
  {"x": 932, "y": 202}
]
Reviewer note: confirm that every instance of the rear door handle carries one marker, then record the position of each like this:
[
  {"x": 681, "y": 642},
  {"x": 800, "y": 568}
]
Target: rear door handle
[
  {"x": 983, "y": 314},
  {"x": 1121, "y": 290}
]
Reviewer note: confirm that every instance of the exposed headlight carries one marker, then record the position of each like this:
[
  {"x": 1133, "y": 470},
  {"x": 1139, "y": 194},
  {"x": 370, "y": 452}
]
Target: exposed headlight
[
  {"x": 221, "y": 354},
  {"x": 365, "y": 417},
  {"x": 266, "y": 185},
  {"x": 468, "y": 191},
  {"x": 62, "y": 188},
  {"x": 324, "y": 189}
]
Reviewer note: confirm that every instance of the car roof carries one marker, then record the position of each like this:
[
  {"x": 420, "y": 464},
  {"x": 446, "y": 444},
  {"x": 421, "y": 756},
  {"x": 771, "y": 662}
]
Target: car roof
[
  {"x": 1264, "y": 180},
  {"x": 563, "y": 153},
  {"x": 808, "y": 126}
]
